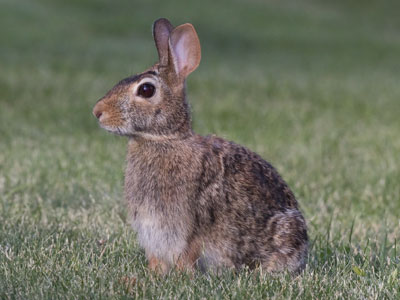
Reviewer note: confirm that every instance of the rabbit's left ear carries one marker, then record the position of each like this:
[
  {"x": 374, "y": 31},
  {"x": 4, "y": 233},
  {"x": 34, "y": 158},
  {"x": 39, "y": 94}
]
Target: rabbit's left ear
[
  {"x": 185, "y": 51},
  {"x": 161, "y": 30}
]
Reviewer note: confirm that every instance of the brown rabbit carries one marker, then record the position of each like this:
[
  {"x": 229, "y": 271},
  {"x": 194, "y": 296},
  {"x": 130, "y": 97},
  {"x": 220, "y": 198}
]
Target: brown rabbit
[{"x": 196, "y": 202}]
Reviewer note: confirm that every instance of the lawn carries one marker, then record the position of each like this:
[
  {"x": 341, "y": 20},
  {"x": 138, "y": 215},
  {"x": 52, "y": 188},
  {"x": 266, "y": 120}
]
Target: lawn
[{"x": 313, "y": 87}]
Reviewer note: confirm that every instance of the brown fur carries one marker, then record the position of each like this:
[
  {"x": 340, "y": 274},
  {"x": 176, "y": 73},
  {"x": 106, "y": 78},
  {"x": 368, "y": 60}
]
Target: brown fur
[{"x": 197, "y": 202}]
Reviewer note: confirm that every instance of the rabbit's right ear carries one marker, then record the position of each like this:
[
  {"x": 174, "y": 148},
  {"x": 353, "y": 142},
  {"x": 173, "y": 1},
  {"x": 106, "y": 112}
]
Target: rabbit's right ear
[
  {"x": 161, "y": 30},
  {"x": 185, "y": 52}
]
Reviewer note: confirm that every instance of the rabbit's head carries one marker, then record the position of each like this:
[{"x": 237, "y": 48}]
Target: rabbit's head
[{"x": 153, "y": 104}]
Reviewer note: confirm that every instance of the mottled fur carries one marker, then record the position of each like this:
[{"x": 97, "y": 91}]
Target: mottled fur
[{"x": 197, "y": 202}]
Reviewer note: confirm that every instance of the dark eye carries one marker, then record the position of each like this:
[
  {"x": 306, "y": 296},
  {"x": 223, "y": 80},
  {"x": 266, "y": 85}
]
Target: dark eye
[{"x": 146, "y": 90}]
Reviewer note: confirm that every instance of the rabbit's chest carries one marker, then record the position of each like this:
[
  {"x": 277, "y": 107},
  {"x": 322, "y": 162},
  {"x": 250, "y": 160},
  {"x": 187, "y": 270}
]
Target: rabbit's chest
[
  {"x": 158, "y": 199},
  {"x": 158, "y": 235},
  {"x": 157, "y": 219}
]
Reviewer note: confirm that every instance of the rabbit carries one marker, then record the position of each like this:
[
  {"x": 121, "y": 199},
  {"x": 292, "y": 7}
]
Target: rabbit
[{"x": 196, "y": 203}]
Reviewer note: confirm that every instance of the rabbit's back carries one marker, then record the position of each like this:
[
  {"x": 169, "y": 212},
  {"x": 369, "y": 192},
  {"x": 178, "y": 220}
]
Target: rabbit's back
[{"x": 250, "y": 213}]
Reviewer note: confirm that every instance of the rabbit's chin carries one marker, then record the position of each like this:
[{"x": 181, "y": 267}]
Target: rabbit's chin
[{"x": 116, "y": 130}]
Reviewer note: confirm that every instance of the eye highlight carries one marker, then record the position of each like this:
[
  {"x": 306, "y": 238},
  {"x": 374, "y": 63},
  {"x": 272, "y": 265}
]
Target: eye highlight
[{"x": 146, "y": 90}]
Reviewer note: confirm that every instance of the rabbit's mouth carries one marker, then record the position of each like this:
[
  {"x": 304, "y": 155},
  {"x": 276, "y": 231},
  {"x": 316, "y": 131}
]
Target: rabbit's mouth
[{"x": 110, "y": 123}]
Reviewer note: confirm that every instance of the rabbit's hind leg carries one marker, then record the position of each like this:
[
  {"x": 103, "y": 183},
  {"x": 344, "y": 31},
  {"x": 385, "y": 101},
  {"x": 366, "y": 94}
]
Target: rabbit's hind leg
[{"x": 287, "y": 242}]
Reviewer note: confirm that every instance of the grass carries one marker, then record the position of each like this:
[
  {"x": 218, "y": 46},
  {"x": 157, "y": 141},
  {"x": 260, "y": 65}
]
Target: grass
[{"x": 311, "y": 86}]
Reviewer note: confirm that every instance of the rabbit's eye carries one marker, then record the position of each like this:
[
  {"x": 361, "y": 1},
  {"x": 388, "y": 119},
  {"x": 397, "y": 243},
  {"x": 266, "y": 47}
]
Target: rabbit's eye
[{"x": 146, "y": 90}]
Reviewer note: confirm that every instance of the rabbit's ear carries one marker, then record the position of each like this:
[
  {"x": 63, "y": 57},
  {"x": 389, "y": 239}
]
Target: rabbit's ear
[
  {"x": 161, "y": 30},
  {"x": 184, "y": 46}
]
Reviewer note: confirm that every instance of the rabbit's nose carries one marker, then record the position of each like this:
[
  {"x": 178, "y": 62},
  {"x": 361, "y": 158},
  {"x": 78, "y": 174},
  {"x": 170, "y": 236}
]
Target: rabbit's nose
[{"x": 97, "y": 112}]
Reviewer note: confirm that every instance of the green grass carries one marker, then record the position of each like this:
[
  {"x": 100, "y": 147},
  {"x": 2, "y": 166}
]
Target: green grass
[{"x": 313, "y": 87}]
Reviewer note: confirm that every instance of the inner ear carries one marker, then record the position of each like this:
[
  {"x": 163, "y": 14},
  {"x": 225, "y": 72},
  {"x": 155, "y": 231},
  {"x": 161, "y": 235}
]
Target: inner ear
[
  {"x": 184, "y": 46},
  {"x": 161, "y": 30}
]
